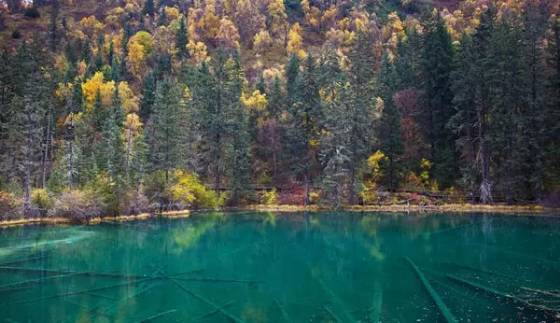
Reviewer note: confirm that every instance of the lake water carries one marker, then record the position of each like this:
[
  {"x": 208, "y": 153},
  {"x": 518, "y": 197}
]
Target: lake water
[{"x": 268, "y": 267}]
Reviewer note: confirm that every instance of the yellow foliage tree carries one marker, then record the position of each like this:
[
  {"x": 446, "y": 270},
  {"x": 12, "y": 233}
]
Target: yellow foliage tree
[
  {"x": 312, "y": 14},
  {"x": 139, "y": 47},
  {"x": 228, "y": 36},
  {"x": 278, "y": 19},
  {"x": 295, "y": 42},
  {"x": 129, "y": 102},
  {"x": 374, "y": 175},
  {"x": 95, "y": 84},
  {"x": 262, "y": 42},
  {"x": 90, "y": 26},
  {"x": 198, "y": 51},
  {"x": 172, "y": 13},
  {"x": 255, "y": 101}
]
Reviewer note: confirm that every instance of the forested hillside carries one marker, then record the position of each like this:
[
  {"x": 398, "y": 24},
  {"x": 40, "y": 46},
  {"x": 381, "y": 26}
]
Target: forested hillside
[{"x": 124, "y": 106}]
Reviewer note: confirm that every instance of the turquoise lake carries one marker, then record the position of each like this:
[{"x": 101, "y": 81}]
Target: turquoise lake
[{"x": 285, "y": 267}]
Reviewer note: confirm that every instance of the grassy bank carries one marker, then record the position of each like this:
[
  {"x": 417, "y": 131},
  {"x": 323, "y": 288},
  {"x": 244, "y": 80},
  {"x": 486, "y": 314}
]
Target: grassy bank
[
  {"x": 503, "y": 209},
  {"x": 97, "y": 220}
]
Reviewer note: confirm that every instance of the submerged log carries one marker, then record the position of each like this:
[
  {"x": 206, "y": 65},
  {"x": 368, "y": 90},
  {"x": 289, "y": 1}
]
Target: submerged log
[
  {"x": 158, "y": 315},
  {"x": 435, "y": 296},
  {"x": 23, "y": 284},
  {"x": 72, "y": 293},
  {"x": 207, "y": 301},
  {"x": 66, "y": 272},
  {"x": 513, "y": 298},
  {"x": 216, "y": 311},
  {"x": 285, "y": 315}
]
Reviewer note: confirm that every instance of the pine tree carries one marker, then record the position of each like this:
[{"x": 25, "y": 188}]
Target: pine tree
[
  {"x": 335, "y": 155},
  {"x": 53, "y": 27},
  {"x": 306, "y": 116},
  {"x": 551, "y": 133},
  {"x": 149, "y": 8},
  {"x": 437, "y": 63},
  {"x": 111, "y": 150},
  {"x": 165, "y": 134},
  {"x": 148, "y": 96},
  {"x": 239, "y": 156},
  {"x": 472, "y": 86},
  {"x": 360, "y": 76},
  {"x": 389, "y": 131},
  {"x": 464, "y": 121},
  {"x": 26, "y": 135},
  {"x": 182, "y": 39}
]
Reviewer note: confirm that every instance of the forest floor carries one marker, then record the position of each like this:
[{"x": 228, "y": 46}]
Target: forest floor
[{"x": 456, "y": 209}]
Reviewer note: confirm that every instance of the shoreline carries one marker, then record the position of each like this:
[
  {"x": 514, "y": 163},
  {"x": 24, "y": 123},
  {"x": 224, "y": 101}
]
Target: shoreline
[{"x": 506, "y": 210}]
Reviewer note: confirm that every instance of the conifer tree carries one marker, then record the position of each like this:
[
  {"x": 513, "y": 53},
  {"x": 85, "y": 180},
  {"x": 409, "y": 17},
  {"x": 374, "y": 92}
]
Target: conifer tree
[
  {"x": 165, "y": 134},
  {"x": 437, "y": 63},
  {"x": 182, "y": 39},
  {"x": 239, "y": 156},
  {"x": 360, "y": 77},
  {"x": 389, "y": 131}
]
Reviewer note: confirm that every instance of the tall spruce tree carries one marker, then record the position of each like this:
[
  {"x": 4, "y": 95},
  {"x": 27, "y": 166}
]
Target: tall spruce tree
[
  {"x": 182, "y": 39},
  {"x": 437, "y": 64},
  {"x": 239, "y": 154},
  {"x": 165, "y": 134},
  {"x": 361, "y": 77},
  {"x": 389, "y": 130}
]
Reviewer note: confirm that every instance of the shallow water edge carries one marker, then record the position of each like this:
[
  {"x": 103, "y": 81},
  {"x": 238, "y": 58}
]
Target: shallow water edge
[{"x": 456, "y": 209}]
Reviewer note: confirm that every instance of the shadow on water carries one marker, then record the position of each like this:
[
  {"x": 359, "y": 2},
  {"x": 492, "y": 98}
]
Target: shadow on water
[{"x": 272, "y": 267}]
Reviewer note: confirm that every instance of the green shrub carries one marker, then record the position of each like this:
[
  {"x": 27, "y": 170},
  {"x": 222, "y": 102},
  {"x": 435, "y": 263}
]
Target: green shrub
[
  {"x": 41, "y": 199},
  {"x": 156, "y": 189},
  {"x": 188, "y": 191},
  {"x": 105, "y": 191},
  {"x": 78, "y": 205},
  {"x": 270, "y": 197}
]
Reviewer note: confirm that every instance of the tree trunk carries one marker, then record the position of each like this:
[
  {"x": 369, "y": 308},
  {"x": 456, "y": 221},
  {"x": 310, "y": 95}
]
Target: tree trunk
[{"x": 486, "y": 184}]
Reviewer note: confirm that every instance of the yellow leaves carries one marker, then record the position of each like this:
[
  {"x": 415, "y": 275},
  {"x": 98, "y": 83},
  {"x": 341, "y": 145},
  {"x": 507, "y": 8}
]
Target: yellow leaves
[
  {"x": 209, "y": 24},
  {"x": 144, "y": 39},
  {"x": 139, "y": 47},
  {"x": 60, "y": 62},
  {"x": 374, "y": 162},
  {"x": 187, "y": 94},
  {"x": 393, "y": 31},
  {"x": 340, "y": 38},
  {"x": 272, "y": 73},
  {"x": 90, "y": 26},
  {"x": 278, "y": 18},
  {"x": 135, "y": 58},
  {"x": 189, "y": 190},
  {"x": 129, "y": 101},
  {"x": 63, "y": 90},
  {"x": 329, "y": 17},
  {"x": 198, "y": 51},
  {"x": 276, "y": 9},
  {"x": 262, "y": 42},
  {"x": 228, "y": 36},
  {"x": 361, "y": 21},
  {"x": 95, "y": 84},
  {"x": 132, "y": 124},
  {"x": 312, "y": 14},
  {"x": 295, "y": 42},
  {"x": 172, "y": 13},
  {"x": 256, "y": 101}
]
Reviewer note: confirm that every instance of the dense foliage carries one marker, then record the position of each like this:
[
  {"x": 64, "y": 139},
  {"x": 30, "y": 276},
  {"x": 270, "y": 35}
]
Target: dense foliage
[{"x": 125, "y": 106}]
